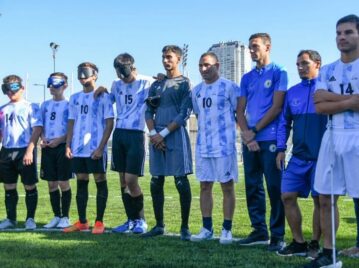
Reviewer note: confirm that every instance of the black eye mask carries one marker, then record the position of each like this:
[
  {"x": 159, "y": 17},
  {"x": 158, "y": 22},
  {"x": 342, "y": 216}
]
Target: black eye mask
[
  {"x": 124, "y": 70},
  {"x": 85, "y": 72},
  {"x": 13, "y": 86}
]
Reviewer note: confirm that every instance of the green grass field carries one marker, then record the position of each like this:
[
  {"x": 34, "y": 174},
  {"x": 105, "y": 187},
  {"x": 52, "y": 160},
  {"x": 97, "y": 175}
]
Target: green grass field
[{"x": 55, "y": 249}]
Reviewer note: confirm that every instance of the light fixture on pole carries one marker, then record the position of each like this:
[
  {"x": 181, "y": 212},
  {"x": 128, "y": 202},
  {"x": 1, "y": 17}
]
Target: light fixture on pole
[
  {"x": 54, "y": 48},
  {"x": 44, "y": 86}
]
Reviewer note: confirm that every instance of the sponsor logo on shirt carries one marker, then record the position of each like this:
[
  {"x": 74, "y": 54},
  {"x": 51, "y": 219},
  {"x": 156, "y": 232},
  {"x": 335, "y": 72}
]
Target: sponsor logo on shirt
[
  {"x": 267, "y": 83},
  {"x": 332, "y": 79}
]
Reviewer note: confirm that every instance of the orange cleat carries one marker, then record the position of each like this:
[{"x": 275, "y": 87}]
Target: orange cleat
[
  {"x": 77, "y": 227},
  {"x": 98, "y": 228}
]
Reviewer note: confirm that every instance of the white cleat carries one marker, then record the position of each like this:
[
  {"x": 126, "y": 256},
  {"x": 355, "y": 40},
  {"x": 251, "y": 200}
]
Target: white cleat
[
  {"x": 30, "y": 224},
  {"x": 53, "y": 223},
  {"x": 226, "y": 237},
  {"x": 64, "y": 223},
  {"x": 203, "y": 235},
  {"x": 7, "y": 224}
]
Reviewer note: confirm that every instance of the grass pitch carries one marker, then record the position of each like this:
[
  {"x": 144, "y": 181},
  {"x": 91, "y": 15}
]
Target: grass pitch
[{"x": 56, "y": 249}]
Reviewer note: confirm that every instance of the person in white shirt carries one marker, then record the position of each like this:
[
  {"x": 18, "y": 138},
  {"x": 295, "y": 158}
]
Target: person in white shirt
[
  {"x": 214, "y": 103},
  {"x": 55, "y": 166},
  {"x": 89, "y": 127},
  {"x": 20, "y": 129}
]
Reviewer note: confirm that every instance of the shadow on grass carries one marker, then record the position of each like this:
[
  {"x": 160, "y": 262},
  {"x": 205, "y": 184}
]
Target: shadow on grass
[{"x": 117, "y": 250}]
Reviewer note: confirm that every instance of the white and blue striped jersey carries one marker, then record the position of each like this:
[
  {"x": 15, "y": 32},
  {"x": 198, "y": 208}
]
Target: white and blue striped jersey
[
  {"x": 215, "y": 107},
  {"x": 16, "y": 122},
  {"x": 89, "y": 117},
  {"x": 130, "y": 102},
  {"x": 54, "y": 117},
  {"x": 341, "y": 78}
]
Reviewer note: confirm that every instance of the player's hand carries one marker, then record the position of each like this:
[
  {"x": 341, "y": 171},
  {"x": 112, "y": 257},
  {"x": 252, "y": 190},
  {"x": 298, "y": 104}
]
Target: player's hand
[
  {"x": 28, "y": 158},
  {"x": 161, "y": 146},
  {"x": 43, "y": 143},
  {"x": 253, "y": 146},
  {"x": 97, "y": 154},
  {"x": 99, "y": 91},
  {"x": 55, "y": 142},
  {"x": 160, "y": 77},
  {"x": 280, "y": 160},
  {"x": 68, "y": 152},
  {"x": 247, "y": 136},
  {"x": 156, "y": 139}
]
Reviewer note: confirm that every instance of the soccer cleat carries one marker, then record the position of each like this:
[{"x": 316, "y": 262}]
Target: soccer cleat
[
  {"x": 140, "y": 226},
  {"x": 30, "y": 224},
  {"x": 226, "y": 237},
  {"x": 53, "y": 223},
  {"x": 155, "y": 231},
  {"x": 203, "y": 235},
  {"x": 352, "y": 252},
  {"x": 124, "y": 228},
  {"x": 276, "y": 244},
  {"x": 77, "y": 227},
  {"x": 7, "y": 224},
  {"x": 64, "y": 223},
  {"x": 185, "y": 234},
  {"x": 254, "y": 238},
  {"x": 98, "y": 228},
  {"x": 323, "y": 261},
  {"x": 294, "y": 249},
  {"x": 313, "y": 249}
]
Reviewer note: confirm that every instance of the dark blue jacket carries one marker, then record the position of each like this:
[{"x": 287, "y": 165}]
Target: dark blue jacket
[{"x": 308, "y": 126}]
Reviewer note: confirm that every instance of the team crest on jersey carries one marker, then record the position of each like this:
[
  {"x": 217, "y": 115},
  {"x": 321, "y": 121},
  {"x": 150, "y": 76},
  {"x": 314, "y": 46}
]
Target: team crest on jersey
[
  {"x": 295, "y": 102},
  {"x": 272, "y": 148},
  {"x": 267, "y": 83}
]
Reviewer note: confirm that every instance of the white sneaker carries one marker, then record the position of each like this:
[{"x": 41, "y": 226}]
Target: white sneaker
[
  {"x": 140, "y": 226},
  {"x": 226, "y": 237},
  {"x": 30, "y": 224},
  {"x": 203, "y": 235},
  {"x": 7, "y": 224},
  {"x": 64, "y": 223},
  {"x": 53, "y": 223}
]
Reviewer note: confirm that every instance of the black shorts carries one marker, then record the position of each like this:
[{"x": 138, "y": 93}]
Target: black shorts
[
  {"x": 128, "y": 151},
  {"x": 87, "y": 165},
  {"x": 55, "y": 166},
  {"x": 11, "y": 166}
]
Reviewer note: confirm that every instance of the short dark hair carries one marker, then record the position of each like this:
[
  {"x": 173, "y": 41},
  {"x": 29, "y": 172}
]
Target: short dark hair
[
  {"x": 123, "y": 57},
  {"x": 313, "y": 55},
  {"x": 173, "y": 48},
  {"x": 64, "y": 76},
  {"x": 349, "y": 18},
  {"x": 264, "y": 36},
  {"x": 88, "y": 64},
  {"x": 210, "y": 54},
  {"x": 12, "y": 78}
]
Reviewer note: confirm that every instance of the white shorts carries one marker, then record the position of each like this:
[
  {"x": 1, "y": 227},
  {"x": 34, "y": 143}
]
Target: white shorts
[
  {"x": 344, "y": 152},
  {"x": 221, "y": 169}
]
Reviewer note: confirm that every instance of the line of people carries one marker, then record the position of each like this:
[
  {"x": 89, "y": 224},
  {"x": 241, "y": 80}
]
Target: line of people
[{"x": 74, "y": 135}]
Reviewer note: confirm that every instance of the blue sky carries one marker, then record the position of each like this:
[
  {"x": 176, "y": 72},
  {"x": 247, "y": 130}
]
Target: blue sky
[{"x": 97, "y": 31}]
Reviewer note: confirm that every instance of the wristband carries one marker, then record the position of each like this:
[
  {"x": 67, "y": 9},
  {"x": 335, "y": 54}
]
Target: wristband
[
  {"x": 152, "y": 132},
  {"x": 254, "y": 129},
  {"x": 164, "y": 132}
]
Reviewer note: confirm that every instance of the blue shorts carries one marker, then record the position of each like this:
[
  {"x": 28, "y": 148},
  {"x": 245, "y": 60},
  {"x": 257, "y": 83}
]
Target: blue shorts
[{"x": 298, "y": 177}]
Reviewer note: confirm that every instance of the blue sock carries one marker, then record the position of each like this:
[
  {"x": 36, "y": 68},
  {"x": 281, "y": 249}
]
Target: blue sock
[
  {"x": 207, "y": 223},
  {"x": 227, "y": 225}
]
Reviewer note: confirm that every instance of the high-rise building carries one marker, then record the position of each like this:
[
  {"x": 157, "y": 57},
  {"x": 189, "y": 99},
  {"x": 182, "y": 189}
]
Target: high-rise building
[{"x": 234, "y": 59}]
